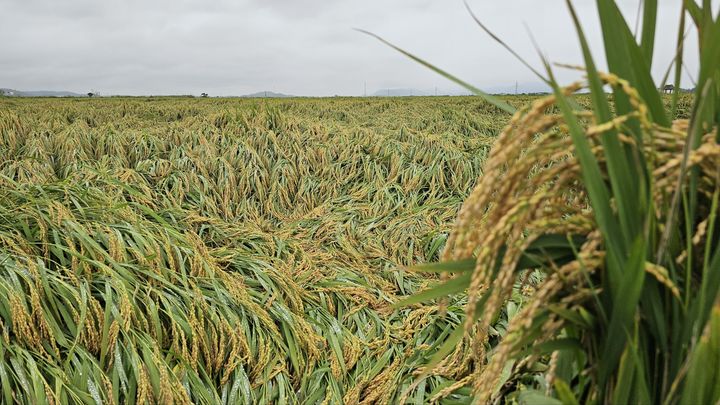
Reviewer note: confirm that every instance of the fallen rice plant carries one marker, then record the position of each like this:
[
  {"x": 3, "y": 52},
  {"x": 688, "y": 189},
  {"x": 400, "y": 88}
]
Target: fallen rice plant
[{"x": 225, "y": 251}]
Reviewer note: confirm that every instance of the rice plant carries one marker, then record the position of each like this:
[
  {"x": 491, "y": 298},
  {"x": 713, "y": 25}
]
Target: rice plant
[{"x": 607, "y": 215}]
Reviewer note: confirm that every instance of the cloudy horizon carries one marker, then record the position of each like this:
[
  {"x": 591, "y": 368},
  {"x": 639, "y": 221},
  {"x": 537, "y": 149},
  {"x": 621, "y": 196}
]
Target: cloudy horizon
[{"x": 302, "y": 47}]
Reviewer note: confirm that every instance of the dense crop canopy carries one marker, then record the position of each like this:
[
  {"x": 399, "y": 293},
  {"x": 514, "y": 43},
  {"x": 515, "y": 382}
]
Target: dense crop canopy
[{"x": 225, "y": 250}]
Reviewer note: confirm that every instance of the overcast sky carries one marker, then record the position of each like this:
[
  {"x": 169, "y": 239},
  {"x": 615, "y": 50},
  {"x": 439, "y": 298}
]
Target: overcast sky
[{"x": 301, "y": 47}]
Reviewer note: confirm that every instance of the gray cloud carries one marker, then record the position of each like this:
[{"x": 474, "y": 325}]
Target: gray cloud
[{"x": 304, "y": 47}]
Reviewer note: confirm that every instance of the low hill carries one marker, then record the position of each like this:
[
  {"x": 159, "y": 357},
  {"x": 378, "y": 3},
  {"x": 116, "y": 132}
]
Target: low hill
[
  {"x": 267, "y": 94},
  {"x": 39, "y": 93}
]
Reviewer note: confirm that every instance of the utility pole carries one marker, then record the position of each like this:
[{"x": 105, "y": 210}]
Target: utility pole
[
  {"x": 516, "y": 88},
  {"x": 365, "y": 91},
  {"x": 435, "y": 91}
]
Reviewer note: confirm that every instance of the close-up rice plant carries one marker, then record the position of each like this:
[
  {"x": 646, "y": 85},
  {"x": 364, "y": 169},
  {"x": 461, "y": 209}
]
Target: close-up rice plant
[{"x": 607, "y": 216}]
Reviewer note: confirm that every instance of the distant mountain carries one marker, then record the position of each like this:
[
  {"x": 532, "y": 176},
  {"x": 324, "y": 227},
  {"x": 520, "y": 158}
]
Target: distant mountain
[
  {"x": 399, "y": 93},
  {"x": 39, "y": 93},
  {"x": 267, "y": 94}
]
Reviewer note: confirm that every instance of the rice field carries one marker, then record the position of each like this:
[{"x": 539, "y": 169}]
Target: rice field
[
  {"x": 561, "y": 249},
  {"x": 229, "y": 251}
]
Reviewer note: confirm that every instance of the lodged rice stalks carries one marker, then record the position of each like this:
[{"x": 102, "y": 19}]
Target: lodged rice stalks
[
  {"x": 180, "y": 251},
  {"x": 533, "y": 188}
]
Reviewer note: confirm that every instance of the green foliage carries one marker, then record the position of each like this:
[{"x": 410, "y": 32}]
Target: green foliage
[
  {"x": 226, "y": 251},
  {"x": 652, "y": 330}
]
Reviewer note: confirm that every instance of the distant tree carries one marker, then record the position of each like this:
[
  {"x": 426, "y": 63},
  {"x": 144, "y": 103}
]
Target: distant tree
[
  {"x": 90, "y": 94},
  {"x": 203, "y": 95}
]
